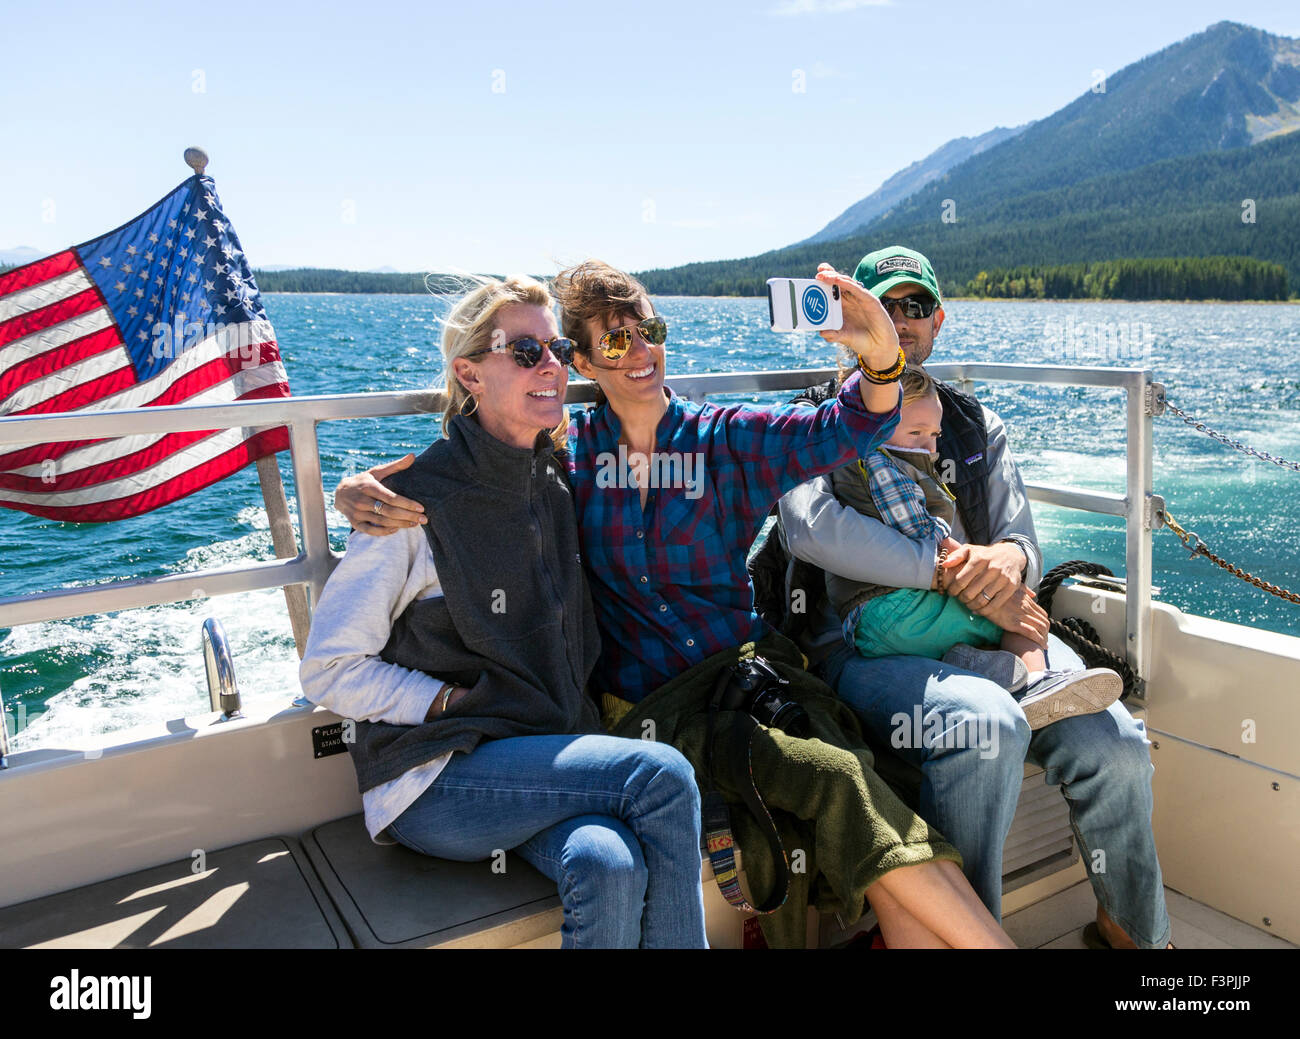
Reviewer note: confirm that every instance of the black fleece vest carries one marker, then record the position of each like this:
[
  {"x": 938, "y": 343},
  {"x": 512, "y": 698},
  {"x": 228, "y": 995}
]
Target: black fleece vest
[
  {"x": 514, "y": 624},
  {"x": 964, "y": 441}
]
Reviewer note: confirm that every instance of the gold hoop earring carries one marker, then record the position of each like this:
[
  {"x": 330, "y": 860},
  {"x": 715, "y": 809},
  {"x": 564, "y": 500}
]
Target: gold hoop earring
[{"x": 471, "y": 411}]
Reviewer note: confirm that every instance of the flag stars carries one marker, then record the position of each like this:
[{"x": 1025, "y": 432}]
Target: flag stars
[
  {"x": 104, "y": 261},
  {"x": 133, "y": 310},
  {"x": 189, "y": 233},
  {"x": 209, "y": 242},
  {"x": 200, "y": 214},
  {"x": 153, "y": 237},
  {"x": 209, "y": 287},
  {"x": 218, "y": 226},
  {"x": 173, "y": 224},
  {"x": 139, "y": 293},
  {"x": 127, "y": 269},
  {"x": 119, "y": 287}
]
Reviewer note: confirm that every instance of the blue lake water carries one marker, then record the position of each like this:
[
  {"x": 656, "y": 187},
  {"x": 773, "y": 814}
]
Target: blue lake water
[{"x": 1233, "y": 366}]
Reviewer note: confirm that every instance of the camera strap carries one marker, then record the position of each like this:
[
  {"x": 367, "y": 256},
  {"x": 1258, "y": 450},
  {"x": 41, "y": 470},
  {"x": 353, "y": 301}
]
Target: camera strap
[{"x": 717, "y": 816}]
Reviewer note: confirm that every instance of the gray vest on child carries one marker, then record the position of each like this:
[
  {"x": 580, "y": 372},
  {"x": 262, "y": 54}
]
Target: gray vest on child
[{"x": 852, "y": 490}]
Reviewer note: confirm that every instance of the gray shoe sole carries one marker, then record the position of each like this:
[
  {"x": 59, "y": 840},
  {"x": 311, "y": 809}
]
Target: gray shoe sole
[{"x": 1072, "y": 695}]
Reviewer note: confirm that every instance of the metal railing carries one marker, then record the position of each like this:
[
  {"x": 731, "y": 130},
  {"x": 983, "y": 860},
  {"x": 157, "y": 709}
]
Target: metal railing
[{"x": 315, "y": 561}]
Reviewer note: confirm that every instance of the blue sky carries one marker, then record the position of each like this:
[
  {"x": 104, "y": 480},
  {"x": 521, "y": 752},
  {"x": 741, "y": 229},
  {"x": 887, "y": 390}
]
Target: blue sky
[{"x": 518, "y": 136}]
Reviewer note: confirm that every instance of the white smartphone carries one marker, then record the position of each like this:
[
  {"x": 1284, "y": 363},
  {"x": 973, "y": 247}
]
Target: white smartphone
[{"x": 803, "y": 304}]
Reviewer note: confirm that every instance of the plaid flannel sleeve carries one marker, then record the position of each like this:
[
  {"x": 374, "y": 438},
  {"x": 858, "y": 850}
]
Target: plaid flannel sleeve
[{"x": 900, "y": 500}]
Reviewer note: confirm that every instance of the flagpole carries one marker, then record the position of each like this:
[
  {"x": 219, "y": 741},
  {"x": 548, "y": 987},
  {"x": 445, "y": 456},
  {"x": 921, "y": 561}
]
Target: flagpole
[{"x": 277, "y": 505}]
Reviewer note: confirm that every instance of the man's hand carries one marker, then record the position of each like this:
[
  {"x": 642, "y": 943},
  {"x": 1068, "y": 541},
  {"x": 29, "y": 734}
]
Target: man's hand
[
  {"x": 980, "y": 575},
  {"x": 356, "y": 496},
  {"x": 867, "y": 329},
  {"x": 1018, "y": 614}
]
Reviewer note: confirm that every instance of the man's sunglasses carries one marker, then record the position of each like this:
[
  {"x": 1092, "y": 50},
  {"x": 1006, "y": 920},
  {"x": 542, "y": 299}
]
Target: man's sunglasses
[
  {"x": 914, "y": 307},
  {"x": 528, "y": 351},
  {"x": 618, "y": 341}
]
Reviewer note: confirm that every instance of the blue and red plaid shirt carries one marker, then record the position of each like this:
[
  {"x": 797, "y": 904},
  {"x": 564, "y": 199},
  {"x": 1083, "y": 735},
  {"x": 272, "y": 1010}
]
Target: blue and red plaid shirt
[{"x": 669, "y": 583}]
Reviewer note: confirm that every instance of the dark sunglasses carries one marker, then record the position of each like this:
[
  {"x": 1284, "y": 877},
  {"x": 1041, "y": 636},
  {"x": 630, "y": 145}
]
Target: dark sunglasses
[
  {"x": 618, "y": 341},
  {"x": 528, "y": 351},
  {"x": 913, "y": 306}
]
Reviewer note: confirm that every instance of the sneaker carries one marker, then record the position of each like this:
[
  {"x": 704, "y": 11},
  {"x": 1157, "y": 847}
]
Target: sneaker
[
  {"x": 1007, "y": 669},
  {"x": 1067, "y": 694}
]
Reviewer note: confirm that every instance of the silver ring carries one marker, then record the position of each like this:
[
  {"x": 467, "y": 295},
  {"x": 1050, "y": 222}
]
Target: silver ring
[
  {"x": 987, "y": 597},
  {"x": 378, "y": 507}
]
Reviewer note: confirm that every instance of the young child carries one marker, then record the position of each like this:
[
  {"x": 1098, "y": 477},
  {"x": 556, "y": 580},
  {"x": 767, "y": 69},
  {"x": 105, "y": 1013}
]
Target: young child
[{"x": 899, "y": 485}]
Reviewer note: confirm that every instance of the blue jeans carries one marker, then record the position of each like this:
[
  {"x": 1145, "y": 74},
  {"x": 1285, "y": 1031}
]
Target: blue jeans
[
  {"x": 969, "y": 787},
  {"x": 614, "y": 822}
]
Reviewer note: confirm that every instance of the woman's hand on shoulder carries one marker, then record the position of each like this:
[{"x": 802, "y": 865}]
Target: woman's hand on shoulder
[{"x": 357, "y": 497}]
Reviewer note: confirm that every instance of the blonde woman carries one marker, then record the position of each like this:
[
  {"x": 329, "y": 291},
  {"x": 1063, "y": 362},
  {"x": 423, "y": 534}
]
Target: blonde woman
[{"x": 463, "y": 649}]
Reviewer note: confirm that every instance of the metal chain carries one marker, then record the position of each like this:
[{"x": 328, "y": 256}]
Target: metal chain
[
  {"x": 1263, "y": 456},
  {"x": 1201, "y": 549}
]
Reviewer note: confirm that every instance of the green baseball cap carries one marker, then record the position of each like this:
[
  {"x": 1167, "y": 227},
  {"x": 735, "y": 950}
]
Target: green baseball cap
[{"x": 880, "y": 271}]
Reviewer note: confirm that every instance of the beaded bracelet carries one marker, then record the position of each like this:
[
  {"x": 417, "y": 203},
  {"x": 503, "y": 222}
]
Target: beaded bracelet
[
  {"x": 939, "y": 571},
  {"x": 883, "y": 378}
]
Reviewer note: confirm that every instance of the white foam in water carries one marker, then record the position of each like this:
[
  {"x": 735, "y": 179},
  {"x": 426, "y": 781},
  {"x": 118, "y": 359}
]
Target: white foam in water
[{"x": 155, "y": 670}]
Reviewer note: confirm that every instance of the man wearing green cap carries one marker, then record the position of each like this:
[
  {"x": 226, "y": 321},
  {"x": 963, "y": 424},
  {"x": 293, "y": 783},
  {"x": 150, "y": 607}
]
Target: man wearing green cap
[{"x": 1101, "y": 760}]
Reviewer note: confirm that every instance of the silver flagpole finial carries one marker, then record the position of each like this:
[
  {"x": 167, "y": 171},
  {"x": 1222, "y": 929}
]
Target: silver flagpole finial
[{"x": 196, "y": 159}]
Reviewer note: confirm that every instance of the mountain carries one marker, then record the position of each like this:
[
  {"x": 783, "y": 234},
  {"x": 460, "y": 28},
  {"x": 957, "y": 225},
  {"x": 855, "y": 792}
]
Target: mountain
[
  {"x": 1128, "y": 171},
  {"x": 908, "y": 181},
  {"x": 17, "y": 257}
]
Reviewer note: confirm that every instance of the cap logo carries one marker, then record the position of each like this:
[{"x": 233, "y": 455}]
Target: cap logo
[{"x": 898, "y": 263}]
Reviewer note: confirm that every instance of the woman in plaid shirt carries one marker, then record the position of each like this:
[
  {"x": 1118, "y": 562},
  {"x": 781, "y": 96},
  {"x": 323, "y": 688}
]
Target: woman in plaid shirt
[{"x": 669, "y": 496}]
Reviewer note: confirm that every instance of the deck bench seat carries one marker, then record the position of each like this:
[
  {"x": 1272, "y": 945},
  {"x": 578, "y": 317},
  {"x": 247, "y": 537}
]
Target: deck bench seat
[{"x": 392, "y": 897}]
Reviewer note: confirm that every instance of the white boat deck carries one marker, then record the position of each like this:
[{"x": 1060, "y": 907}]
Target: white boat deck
[{"x": 1058, "y": 922}]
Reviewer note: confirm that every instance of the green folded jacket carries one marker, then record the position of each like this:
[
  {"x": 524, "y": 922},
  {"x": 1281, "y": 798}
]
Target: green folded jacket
[{"x": 827, "y": 800}]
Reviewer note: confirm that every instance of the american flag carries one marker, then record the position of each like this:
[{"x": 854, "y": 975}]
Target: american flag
[{"x": 162, "y": 311}]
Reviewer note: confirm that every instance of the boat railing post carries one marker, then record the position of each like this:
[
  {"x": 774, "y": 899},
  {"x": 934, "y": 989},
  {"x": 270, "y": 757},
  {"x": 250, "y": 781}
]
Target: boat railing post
[
  {"x": 1138, "y": 525},
  {"x": 305, "y": 452},
  {"x": 4, "y": 734}
]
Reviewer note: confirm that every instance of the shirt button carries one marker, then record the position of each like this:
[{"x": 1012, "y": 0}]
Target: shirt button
[
  {"x": 644, "y": 579},
  {"x": 640, "y": 533},
  {"x": 690, "y": 642},
  {"x": 663, "y": 607}
]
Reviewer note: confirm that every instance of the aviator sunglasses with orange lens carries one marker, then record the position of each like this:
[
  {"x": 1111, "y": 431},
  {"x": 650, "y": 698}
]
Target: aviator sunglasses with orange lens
[
  {"x": 527, "y": 350},
  {"x": 618, "y": 341}
]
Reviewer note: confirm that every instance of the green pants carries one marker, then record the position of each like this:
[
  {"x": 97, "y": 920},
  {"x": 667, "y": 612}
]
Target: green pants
[{"x": 915, "y": 622}]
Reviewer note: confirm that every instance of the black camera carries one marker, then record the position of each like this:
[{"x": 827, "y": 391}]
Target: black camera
[{"x": 754, "y": 686}]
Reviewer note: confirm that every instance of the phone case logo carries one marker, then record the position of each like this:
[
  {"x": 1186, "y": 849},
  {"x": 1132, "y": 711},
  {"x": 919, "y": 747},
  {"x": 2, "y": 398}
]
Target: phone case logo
[{"x": 815, "y": 307}]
